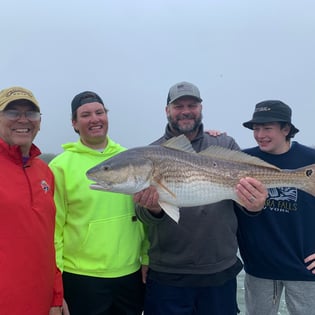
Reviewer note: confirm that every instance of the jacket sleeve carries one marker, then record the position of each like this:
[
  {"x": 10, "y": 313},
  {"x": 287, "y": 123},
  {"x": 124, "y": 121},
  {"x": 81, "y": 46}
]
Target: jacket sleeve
[
  {"x": 228, "y": 142},
  {"x": 148, "y": 218},
  {"x": 58, "y": 285},
  {"x": 58, "y": 290},
  {"x": 145, "y": 247},
  {"x": 61, "y": 211},
  {"x": 238, "y": 207}
]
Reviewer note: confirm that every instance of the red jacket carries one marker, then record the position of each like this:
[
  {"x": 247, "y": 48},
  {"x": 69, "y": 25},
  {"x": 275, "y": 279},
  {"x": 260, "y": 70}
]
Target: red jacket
[{"x": 30, "y": 282}]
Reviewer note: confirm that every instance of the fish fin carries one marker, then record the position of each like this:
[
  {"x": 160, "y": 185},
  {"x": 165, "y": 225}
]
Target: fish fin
[
  {"x": 181, "y": 143},
  {"x": 161, "y": 185},
  {"x": 96, "y": 186},
  {"x": 235, "y": 156},
  {"x": 171, "y": 210}
]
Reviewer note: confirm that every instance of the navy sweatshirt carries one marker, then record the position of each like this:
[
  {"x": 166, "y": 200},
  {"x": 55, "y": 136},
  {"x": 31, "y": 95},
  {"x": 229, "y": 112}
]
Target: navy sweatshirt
[{"x": 274, "y": 243}]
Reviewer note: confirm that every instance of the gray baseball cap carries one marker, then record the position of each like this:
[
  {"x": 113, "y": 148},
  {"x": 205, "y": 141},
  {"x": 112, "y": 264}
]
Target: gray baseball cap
[{"x": 181, "y": 89}]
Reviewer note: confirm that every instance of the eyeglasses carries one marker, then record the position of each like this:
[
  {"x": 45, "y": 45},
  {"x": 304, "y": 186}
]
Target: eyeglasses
[{"x": 13, "y": 114}]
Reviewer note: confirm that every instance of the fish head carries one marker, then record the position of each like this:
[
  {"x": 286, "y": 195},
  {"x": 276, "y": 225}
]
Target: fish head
[{"x": 123, "y": 173}]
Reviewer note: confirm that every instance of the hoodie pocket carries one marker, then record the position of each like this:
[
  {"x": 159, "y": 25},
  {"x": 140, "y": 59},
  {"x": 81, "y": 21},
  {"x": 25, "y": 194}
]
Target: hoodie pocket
[{"x": 111, "y": 244}]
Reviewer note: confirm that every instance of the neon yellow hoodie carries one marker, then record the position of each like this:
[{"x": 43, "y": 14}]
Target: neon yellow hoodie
[{"x": 97, "y": 233}]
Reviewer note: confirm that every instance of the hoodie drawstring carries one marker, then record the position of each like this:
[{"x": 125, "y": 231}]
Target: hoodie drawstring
[{"x": 275, "y": 291}]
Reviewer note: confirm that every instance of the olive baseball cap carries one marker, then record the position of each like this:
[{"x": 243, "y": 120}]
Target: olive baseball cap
[{"x": 16, "y": 93}]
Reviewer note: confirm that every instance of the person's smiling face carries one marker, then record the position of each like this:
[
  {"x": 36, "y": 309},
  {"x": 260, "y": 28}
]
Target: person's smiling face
[
  {"x": 19, "y": 124},
  {"x": 271, "y": 138},
  {"x": 92, "y": 124},
  {"x": 184, "y": 115}
]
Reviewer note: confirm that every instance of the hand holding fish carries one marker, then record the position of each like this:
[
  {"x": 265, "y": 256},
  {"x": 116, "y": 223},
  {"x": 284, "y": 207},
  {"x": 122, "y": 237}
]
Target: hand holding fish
[
  {"x": 215, "y": 133},
  {"x": 310, "y": 259},
  {"x": 251, "y": 193},
  {"x": 148, "y": 198}
]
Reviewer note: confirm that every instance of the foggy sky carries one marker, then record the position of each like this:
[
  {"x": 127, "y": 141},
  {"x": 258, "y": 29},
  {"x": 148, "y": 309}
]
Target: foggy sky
[{"x": 130, "y": 52}]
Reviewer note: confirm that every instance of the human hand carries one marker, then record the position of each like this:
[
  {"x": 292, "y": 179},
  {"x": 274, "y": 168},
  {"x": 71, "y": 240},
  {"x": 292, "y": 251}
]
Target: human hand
[
  {"x": 148, "y": 198},
  {"x": 215, "y": 133},
  {"x": 65, "y": 309},
  {"x": 310, "y": 259},
  {"x": 144, "y": 272},
  {"x": 252, "y": 194},
  {"x": 55, "y": 310}
]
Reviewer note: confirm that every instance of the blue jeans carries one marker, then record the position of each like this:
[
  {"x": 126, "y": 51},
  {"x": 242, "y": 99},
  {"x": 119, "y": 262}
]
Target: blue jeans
[{"x": 163, "y": 299}]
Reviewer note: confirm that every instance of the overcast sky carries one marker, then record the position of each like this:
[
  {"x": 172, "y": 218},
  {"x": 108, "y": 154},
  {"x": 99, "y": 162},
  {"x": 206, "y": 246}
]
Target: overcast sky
[{"x": 238, "y": 52}]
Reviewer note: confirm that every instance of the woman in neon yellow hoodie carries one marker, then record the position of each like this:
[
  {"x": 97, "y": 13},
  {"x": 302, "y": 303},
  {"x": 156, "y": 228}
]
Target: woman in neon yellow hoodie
[{"x": 100, "y": 244}]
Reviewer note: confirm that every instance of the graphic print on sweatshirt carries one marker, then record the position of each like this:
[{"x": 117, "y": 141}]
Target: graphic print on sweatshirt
[{"x": 282, "y": 199}]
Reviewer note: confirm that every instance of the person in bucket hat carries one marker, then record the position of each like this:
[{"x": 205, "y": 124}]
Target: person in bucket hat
[
  {"x": 272, "y": 111},
  {"x": 278, "y": 245}
]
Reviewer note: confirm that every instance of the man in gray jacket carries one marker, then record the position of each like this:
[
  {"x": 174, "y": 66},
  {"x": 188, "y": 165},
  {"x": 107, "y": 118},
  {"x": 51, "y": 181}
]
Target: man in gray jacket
[{"x": 194, "y": 264}]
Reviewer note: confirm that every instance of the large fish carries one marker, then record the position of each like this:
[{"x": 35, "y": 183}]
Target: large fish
[{"x": 184, "y": 178}]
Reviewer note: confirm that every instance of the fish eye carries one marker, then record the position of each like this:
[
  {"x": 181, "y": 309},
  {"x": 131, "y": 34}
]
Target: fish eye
[{"x": 105, "y": 168}]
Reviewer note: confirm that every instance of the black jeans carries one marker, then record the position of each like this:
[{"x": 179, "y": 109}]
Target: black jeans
[{"x": 87, "y": 295}]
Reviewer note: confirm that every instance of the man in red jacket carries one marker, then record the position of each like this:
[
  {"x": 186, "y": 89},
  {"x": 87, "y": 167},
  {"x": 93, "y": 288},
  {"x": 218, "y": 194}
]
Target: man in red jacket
[{"x": 30, "y": 282}]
